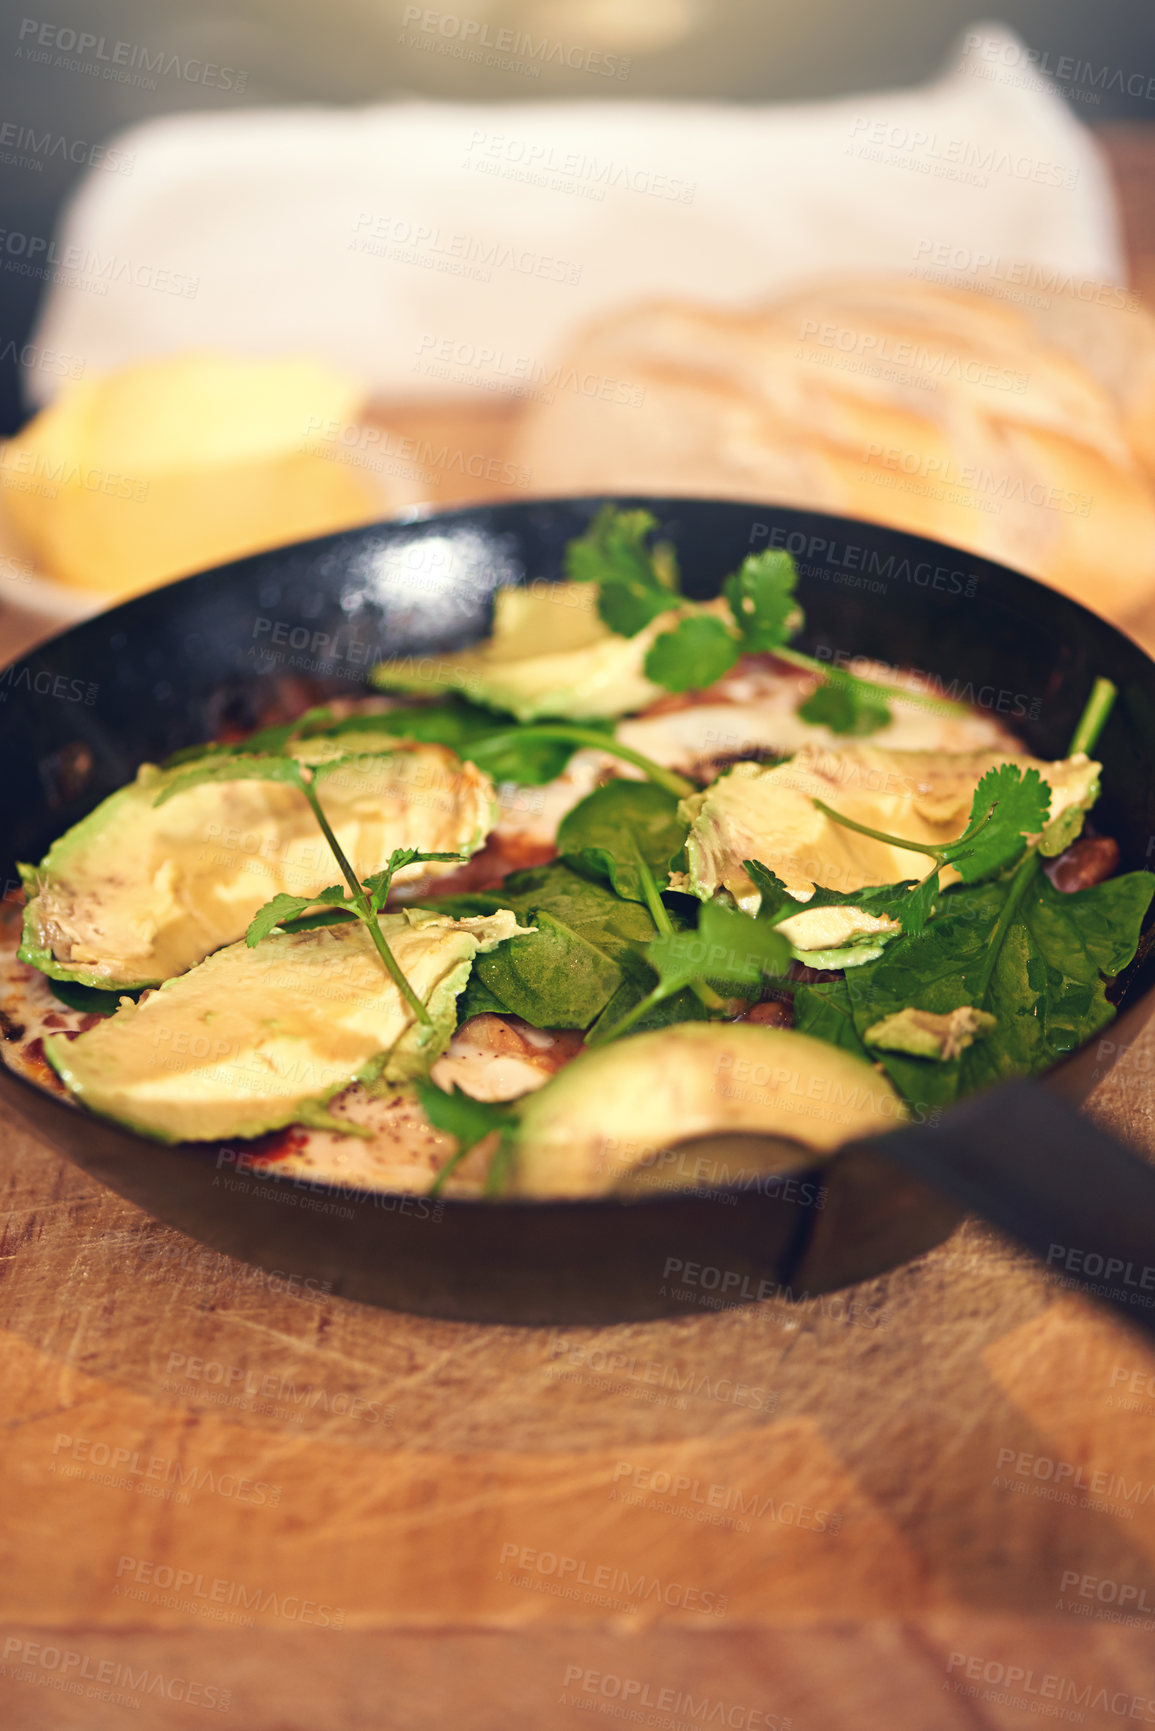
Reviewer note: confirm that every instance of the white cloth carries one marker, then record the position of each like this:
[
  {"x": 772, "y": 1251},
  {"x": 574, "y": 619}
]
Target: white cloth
[{"x": 431, "y": 248}]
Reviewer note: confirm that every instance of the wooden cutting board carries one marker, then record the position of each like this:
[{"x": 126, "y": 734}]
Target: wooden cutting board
[
  {"x": 926, "y": 1503},
  {"x": 851, "y": 1511}
]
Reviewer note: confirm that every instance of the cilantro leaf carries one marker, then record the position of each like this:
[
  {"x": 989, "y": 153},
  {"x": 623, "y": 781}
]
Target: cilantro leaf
[
  {"x": 761, "y": 597},
  {"x": 605, "y": 833},
  {"x": 285, "y": 907},
  {"x": 635, "y": 582},
  {"x": 379, "y": 883},
  {"x": 845, "y": 709},
  {"x": 470, "y": 1120},
  {"x": 1009, "y": 804},
  {"x": 696, "y": 652},
  {"x": 911, "y": 902}
]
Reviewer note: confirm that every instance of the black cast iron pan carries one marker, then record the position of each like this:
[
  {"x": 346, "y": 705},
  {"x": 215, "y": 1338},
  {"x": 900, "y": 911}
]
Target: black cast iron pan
[{"x": 264, "y": 637}]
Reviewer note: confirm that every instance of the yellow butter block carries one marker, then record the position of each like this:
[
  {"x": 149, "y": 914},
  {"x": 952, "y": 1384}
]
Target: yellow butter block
[{"x": 180, "y": 463}]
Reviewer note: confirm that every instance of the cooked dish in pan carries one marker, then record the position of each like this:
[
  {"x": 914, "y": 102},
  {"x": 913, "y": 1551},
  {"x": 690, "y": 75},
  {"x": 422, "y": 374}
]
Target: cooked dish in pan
[{"x": 630, "y": 872}]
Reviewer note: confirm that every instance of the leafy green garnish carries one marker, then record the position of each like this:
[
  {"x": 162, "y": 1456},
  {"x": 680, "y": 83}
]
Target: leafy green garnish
[
  {"x": 845, "y": 709},
  {"x": 585, "y": 956},
  {"x": 702, "y": 647},
  {"x": 285, "y": 907},
  {"x": 1009, "y": 804},
  {"x": 1013, "y": 947},
  {"x": 728, "y": 949},
  {"x": 635, "y": 582},
  {"x": 761, "y": 597},
  {"x": 240, "y": 766},
  {"x": 379, "y": 883},
  {"x": 486, "y": 737},
  {"x": 911, "y": 902},
  {"x": 90, "y": 1000},
  {"x": 470, "y": 1120},
  {"x": 267, "y": 739},
  {"x": 615, "y": 829},
  {"x": 584, "y": 734},
  {"x": 697, "y": 651}
]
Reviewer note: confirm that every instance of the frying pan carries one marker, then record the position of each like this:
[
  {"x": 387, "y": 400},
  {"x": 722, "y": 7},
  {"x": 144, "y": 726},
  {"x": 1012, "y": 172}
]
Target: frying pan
[{"x": 262, "y": 638}]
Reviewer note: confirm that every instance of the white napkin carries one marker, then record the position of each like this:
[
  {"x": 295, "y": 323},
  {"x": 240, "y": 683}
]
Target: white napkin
[{"x": 432, "y": 248}]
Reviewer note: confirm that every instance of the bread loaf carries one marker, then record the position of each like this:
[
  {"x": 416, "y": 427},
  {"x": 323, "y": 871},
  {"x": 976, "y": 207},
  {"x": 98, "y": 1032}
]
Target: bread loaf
[{"x": 1024, "y": 434}]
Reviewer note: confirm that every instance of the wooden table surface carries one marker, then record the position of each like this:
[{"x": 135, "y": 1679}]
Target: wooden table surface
[{"x": 226, "y": 1493}]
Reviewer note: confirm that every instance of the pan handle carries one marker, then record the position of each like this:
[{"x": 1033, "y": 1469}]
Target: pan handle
[{"x": 1044, "y": 1174}]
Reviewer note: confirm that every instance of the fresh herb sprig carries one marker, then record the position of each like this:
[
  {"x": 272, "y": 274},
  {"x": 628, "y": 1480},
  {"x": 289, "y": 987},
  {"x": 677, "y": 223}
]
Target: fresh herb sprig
[
  {"x": 366, "y": 899},
  {"x": 910, "y": 902},
  {"x": 284, "y": 907},
  {"x": 1009, "y": 804},
  {"x": 1094, "y": 717},
  {"x": 638, "y": 582}
]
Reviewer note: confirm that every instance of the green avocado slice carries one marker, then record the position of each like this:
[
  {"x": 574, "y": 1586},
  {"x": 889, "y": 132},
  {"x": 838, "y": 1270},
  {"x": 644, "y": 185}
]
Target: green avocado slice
[
  {"x": 769, "y": 815},
  {"x": 613, "y": 1110},
  {"x": 549, "y": 655},
  {"x": 254, "y": 1039},
  {"x": 134, "y": 895}
]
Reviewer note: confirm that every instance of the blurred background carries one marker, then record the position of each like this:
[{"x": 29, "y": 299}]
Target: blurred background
[
  {"x": 244, "y": 53},
  {"x": 269, "y": 269}
]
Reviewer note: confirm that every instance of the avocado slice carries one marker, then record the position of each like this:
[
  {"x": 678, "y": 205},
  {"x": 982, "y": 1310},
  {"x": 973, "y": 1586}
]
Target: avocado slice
[
  {"x": 133, "y": 895},
  {"x": 614, "y": 1109},
  {"x": 550, "y": 654},
  {"x": 768, "y": 814},
  {"x": 931, "y": 1033},
  {"x": 254, "y": 1039}
]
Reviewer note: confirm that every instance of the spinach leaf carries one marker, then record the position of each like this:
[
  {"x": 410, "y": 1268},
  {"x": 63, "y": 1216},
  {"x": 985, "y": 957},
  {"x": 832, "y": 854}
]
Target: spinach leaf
[
  {"x": 1022, "y": 951},
  {"x": 493, "y": 741},
  {"x": 605, "y": 833},
  {"x": 565, "y": 973},
  {"x": 92, "y": 1000},
  {"x": 845, "y": 709},
  {"x": 470, "y": 1120},
  {"x": 826, "y": 1011},
  {"x": 635, "y": 998}
]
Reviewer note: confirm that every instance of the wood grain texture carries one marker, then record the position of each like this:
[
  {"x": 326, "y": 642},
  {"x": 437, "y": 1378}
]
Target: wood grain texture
[{"x": 228, "y": 1496}]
